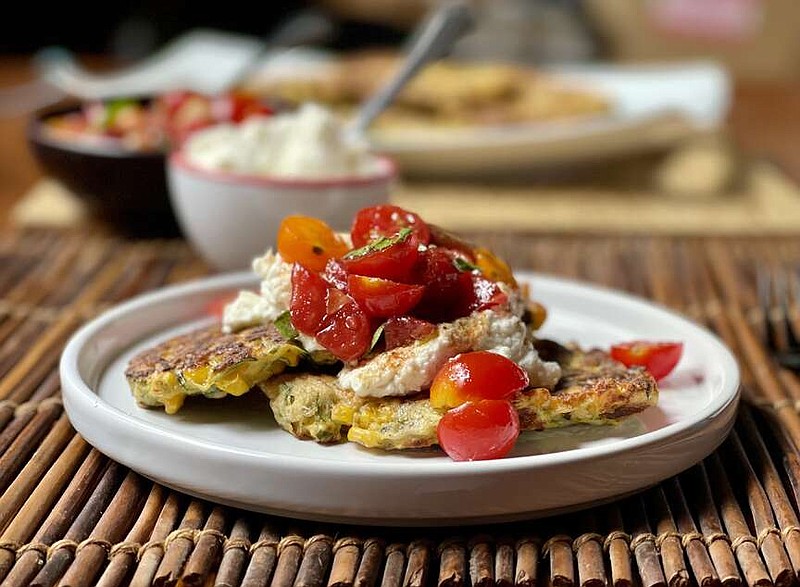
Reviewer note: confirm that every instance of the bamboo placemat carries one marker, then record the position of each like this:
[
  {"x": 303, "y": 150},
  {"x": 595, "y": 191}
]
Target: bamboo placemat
[{"x": 70, "y": 516}]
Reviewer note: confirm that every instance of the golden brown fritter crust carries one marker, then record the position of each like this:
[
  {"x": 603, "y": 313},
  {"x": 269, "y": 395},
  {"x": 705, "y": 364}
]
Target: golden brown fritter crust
[
  {"x": 594, "y": 389},
  {"x": 209, "y": 362},
  {"x": 209, "y": 346}
]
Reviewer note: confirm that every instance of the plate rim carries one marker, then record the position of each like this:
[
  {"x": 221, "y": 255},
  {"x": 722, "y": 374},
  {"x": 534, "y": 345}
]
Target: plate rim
[{"x": 74, "y": 387}]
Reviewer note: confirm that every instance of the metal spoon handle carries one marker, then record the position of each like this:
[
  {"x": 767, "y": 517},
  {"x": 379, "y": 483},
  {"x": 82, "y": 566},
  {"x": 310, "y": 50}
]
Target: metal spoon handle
[{"x": 434, "y": 40}]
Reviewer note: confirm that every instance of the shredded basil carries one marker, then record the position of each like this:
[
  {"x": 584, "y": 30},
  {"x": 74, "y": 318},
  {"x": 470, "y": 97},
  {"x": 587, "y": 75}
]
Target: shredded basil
[
  {"x": 381, "y": 244},
  {"x": 376, "y": 337},
  {"x": 464, "y": 265},
  {"x": 284, "y": 325}
]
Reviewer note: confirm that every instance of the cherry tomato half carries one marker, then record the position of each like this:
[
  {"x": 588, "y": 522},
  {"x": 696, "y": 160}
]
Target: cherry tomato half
[
  {"x": 335, "y": 274},
  {"x": 475, "y": 376},
  {"x": 345, "y": 330},
  {"x": 308, "y": 302},
  {"x": 493, "y": 267},
  {"x": 395, "y": 261},
  {"x": 308, "y": 241},
  {"x": 383, "y": 298},
  {"x": 486, "y": 294},
  {"x": 659, "y": 358},
  {"x": 385, "y": 220},
  {"x": 403, "y": 330},
  {"x": 448, "y": 290},
  {"x": 479, "y": 430}
]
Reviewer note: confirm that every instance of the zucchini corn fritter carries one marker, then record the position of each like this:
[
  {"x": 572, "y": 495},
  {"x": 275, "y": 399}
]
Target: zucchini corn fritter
[
  {"x": 209, "y": 362},
  {"x": 594, "y": 389}
]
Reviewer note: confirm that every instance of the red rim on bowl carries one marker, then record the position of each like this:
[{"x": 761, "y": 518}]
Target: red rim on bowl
[{"x": 387, "y": 171}]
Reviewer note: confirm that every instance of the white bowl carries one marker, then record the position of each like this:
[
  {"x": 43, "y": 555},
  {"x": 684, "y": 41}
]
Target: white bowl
[{"x": 230, "y": 218}]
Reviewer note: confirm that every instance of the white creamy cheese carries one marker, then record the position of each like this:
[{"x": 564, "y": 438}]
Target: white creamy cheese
[
  {"x": 508, "y": 336},
  {"x": 251, "y": 309},
  {"x": 410, "y": 369},
  {"x": 308, "y": 143}
]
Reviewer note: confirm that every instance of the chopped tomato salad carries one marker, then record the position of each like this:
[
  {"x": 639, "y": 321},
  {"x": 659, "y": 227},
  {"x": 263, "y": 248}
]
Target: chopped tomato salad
[
  {"x": 154, "y": 125},
  {"x": 394, "y": 279},
  {"x": 659, "y": 358}
]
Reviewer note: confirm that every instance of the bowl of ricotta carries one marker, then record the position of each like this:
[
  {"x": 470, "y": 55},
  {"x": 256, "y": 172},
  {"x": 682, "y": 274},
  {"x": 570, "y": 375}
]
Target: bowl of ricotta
[{"x": 231, "y": 185}]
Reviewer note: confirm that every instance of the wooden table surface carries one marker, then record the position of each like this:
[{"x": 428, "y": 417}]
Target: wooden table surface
[{"x": 763, "y": 122}]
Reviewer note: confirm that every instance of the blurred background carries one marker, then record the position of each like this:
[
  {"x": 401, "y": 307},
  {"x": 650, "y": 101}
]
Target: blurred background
[{"x": 674, "y": 116}]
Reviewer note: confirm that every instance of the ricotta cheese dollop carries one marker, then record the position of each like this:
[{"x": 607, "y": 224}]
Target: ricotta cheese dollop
[
  {"x": 307, "y": 143},
  {"x": 410, "y": 369}
]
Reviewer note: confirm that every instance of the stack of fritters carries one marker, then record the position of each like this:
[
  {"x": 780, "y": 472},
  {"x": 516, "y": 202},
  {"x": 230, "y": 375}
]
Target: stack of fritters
[{"x": 593, "y": 389}]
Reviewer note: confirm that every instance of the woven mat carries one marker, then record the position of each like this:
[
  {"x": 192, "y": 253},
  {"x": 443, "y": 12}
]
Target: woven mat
[{"x": 70, "y": 516}]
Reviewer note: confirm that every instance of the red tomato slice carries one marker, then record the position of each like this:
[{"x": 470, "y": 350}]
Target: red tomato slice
[
  {"x": 335, "y": 274},
  {"x": 475, "y": 376},
  {"x": 404, "y": 330},
  {"x": 487, "y": 294},
  {"x": 659, "y": 358},
  {"x": 479, "y": 430},
  {"x": 308, "y": 302},
  {"x": 345, "y": 330},
  {"x": 383, "y": 298},
  {"x": 385, "y": 220},
  {"x": 395, "y": 262},
  {"x": 448, "y": 291}
]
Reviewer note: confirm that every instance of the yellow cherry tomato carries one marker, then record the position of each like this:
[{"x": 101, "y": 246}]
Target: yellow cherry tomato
[
  {"x": 308, "y": 241},
  {"x": 493, "y": 267}
]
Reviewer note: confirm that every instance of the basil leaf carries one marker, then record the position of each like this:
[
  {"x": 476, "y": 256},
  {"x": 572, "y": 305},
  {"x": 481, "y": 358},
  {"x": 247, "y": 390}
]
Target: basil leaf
[
  {"x": 464, "y": 265},
  {"x": 376, "y": 337},
  {"x": 381, "y": 244},
  {"x": 284, "y": 325}
]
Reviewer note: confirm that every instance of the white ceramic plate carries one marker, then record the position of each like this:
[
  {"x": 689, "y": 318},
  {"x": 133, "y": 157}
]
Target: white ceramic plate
[{"x": 231, "y": 451}]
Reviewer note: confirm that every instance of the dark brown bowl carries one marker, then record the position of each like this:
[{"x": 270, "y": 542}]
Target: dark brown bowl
[{"x": 126, "y": 189}]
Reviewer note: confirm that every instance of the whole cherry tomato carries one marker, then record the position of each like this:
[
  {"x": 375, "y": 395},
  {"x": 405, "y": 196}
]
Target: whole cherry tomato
[
  {"x": 383, "y": 298},
  {"x": 345, "y": 329},
  {"x": 479, "y": 430},
  {"x": 385, "y": 220},
  {"x": 308, "y": 241},
  {"x": 394, "y": 258},
  {"x": 307, "y": 307},
  {"x": 659, "y": 358},
  {"x": 474, "y": 376},
  {"x": 403, "y": 330}
]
